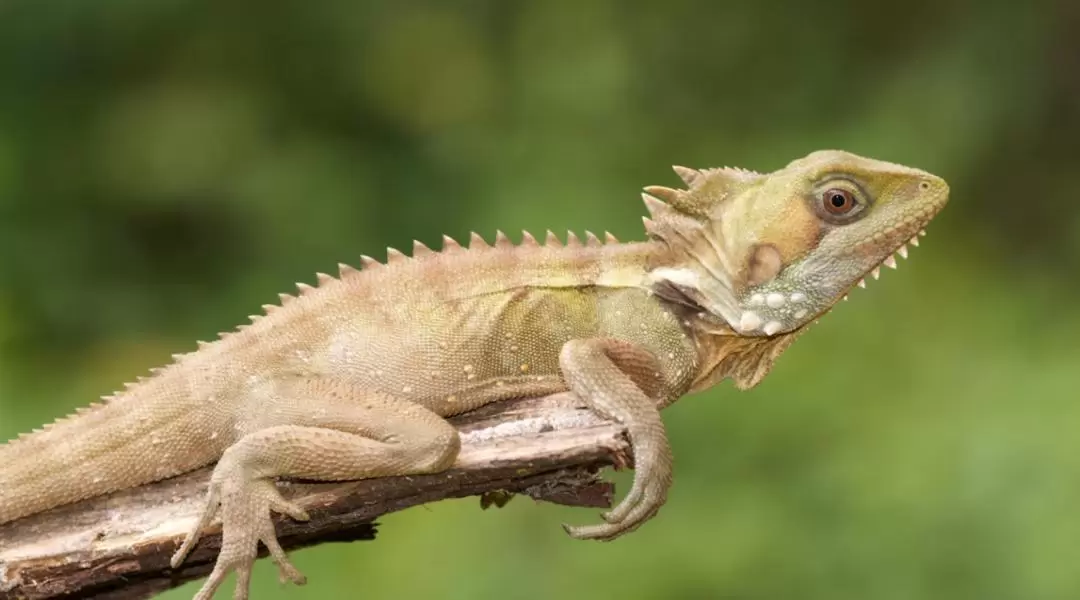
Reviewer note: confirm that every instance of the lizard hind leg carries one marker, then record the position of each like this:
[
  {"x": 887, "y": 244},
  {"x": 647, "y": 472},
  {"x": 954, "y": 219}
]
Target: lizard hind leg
[{"x": 334, "y": 433}]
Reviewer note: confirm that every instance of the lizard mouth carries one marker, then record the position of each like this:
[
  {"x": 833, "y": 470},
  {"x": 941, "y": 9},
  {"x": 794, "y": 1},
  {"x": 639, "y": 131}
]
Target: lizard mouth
[{"x": 890, "y": 260}]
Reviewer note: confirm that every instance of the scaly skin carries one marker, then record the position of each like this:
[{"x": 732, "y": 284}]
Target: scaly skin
[{"x": 352, "y": 379}]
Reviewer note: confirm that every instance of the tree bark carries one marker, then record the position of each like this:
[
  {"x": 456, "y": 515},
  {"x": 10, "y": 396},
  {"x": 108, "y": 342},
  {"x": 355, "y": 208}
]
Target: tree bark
[{"x": 118, "y": 546}]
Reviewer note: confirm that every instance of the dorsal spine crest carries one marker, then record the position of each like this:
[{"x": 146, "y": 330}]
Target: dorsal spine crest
[
  {"x": 346, "y": 273},
  {"x": 476, "y": 242},
  {"x": 420, "y": 250}
]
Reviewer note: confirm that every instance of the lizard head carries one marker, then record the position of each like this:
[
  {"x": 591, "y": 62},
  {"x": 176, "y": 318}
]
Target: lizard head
[{"x": 769, "y": 253}]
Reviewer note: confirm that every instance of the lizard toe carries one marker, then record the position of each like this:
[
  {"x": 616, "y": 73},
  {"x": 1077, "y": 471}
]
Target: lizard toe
[
  {"x": 287, "y": 572},
  {"x": 217, "y": 576},
  {"x": 243, "y": 583},
  {"x": 603, "y": 532},
  {"x": 280, "y": 505},
  {"x": 624, "y": 508},
  {"x": 607, "y": 532},
  {"x": 645, "y": 483},
  {"x": 213, "y": 502}
]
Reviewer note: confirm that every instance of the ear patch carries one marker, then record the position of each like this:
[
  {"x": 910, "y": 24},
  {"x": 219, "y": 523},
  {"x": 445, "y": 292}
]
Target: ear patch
[{"x": 763, "y": 265}]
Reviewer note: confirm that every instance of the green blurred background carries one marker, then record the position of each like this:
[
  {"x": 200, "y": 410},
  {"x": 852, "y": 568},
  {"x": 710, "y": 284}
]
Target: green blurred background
[{"x": 167, "y": 166}]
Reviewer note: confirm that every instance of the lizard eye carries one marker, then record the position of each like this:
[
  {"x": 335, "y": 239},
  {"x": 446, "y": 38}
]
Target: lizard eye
[{"x": 837, "y": 201}]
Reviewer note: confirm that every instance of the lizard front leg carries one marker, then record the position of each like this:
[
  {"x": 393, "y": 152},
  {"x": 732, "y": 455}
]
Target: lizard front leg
[
  {"x": 619, "y": 381},
  {"x": 322, "y": 430}
]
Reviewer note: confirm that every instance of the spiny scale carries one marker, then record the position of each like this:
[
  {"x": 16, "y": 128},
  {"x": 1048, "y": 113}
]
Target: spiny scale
[
  {"x": 688, "y": 175},
  {"x": 666, "y": 194},
  {"x": 653, "y": 204},
  {"x": 345, "y": 270},
  {"x": 450, "y": 245},
  {"x": 419, "y": 249}
]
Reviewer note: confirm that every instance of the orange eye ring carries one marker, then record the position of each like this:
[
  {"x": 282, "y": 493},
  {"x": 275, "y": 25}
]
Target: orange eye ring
[{"x": 837, "y": 201}]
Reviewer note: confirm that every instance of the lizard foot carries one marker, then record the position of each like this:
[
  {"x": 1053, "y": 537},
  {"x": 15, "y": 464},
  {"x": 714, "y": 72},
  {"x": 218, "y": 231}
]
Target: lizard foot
[
  {"x": 642, "y": 502},
  {"x": 245, "y": 505}
]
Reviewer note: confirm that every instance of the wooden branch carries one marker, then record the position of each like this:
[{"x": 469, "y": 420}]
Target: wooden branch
[{"x": 118, "y": 546}]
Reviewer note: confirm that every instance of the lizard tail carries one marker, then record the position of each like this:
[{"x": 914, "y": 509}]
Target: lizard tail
[{"x": 144, "y": 434}]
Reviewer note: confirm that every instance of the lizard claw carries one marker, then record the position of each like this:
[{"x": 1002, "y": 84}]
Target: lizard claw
[
  {"x": 624, "y": 508},
  {"x": 280, "y": 505},
  {"x": 213, "y": 501}
]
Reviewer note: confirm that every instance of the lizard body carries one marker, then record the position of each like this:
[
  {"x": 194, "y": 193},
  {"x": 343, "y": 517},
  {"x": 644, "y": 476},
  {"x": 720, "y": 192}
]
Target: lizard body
[{"x": 352, "y": 378}]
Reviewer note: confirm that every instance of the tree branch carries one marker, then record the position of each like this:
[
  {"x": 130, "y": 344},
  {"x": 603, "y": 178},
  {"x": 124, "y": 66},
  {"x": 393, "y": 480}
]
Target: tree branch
[{"x": 118, "y": 546}]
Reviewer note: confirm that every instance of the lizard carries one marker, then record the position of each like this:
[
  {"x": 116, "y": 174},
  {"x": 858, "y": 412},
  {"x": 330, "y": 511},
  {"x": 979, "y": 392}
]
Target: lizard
[{"x": 353, "y": 378}]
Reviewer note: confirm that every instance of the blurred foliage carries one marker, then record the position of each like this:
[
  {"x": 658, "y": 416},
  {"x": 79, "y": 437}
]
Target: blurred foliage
[{"x": 166, "y": 166}]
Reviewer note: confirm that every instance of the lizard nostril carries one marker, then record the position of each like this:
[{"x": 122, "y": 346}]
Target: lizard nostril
[{"x": 924, "y": 185}]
